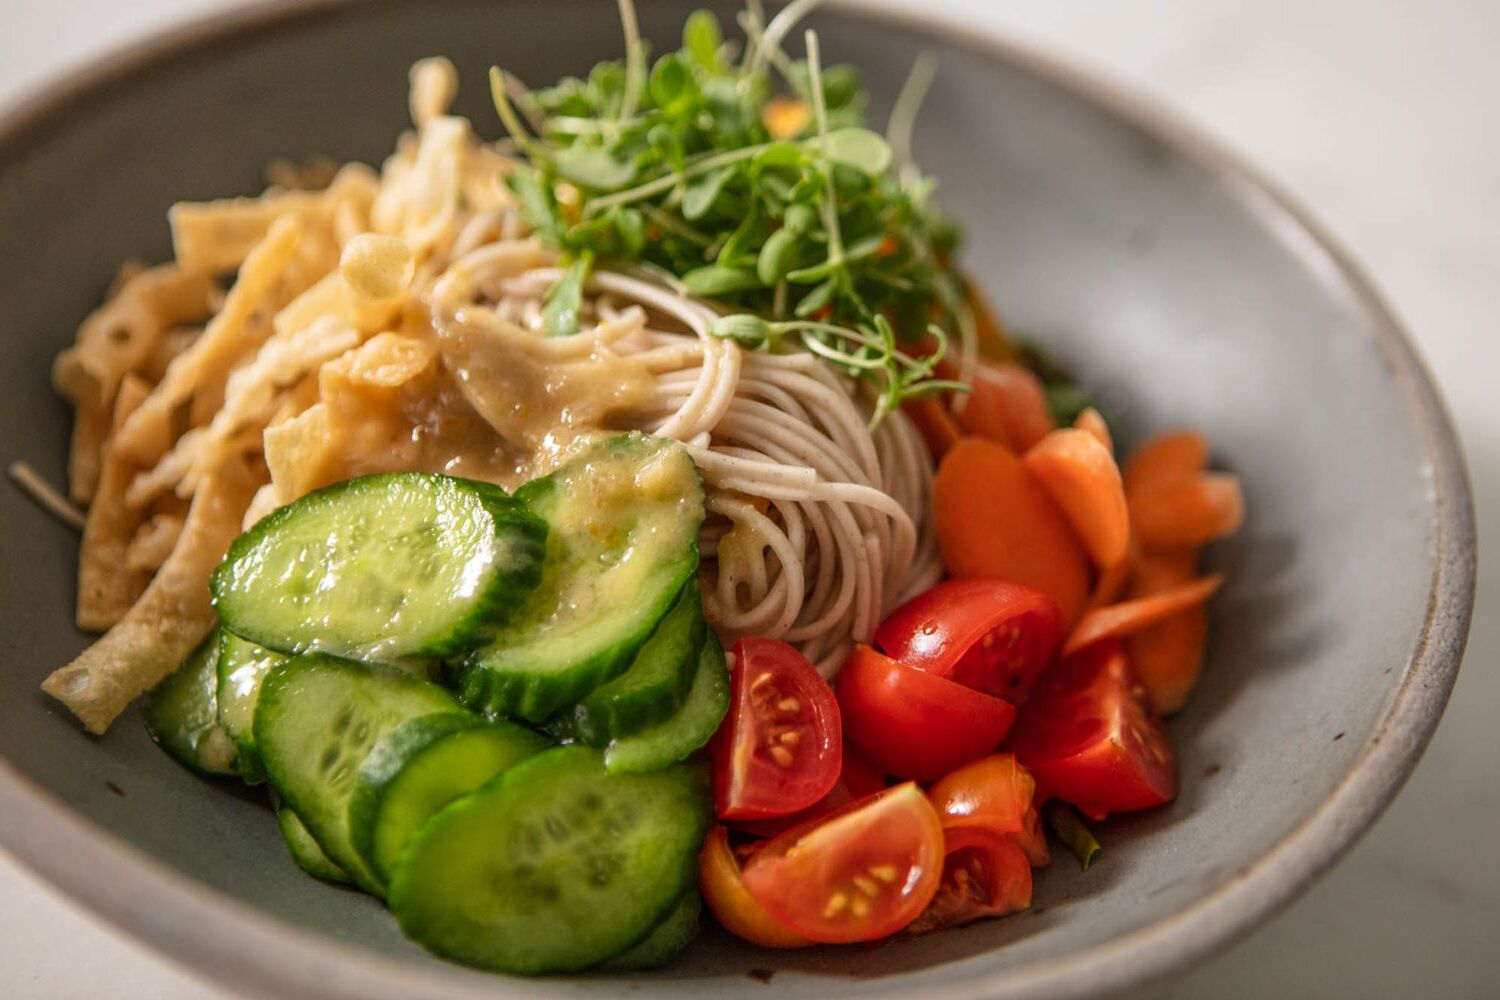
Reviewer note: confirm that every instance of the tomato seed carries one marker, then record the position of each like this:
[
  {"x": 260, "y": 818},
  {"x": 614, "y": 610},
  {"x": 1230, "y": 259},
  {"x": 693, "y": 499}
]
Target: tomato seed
[
  {"x": 866, "y": 886},
  {"x": 837, "y": 903},
  {"x": 886, "y": 873},
  {"x": 781, "y": 755},
  {"x": 860, "y": 908},
  {"x": 791, "y": 737},
  {"x": 789, "y": 706}
]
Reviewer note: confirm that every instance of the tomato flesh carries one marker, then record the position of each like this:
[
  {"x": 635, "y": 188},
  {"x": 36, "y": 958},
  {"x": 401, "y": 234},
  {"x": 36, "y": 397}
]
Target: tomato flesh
[
  {"x": 779, "y": 747},
  {"x": 731, "y": 903},
  {"x": 915, "y": 724},
  {"x": 1087, "y": 739},
  {"x": 991, "y": 635},
  {"x": 857, "y": 779},
  {"x": 860, "y": 874},
  {"x": 983, "y": 876},
  {"x": 994, "y": 795}
]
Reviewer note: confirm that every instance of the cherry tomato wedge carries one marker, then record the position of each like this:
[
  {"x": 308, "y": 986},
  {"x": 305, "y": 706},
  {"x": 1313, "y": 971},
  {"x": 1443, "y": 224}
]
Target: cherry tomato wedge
[
  {"x": 731, "y": 903},
  {"x": 914, "y": 724},
  {"x": 860, "y": 874},
  {"x": 1087, "y": 739},
  {"x": 993, "y": 795},
  {"x": 857, "y": 779},
  {"x": 984, "y": 875},
  {"x": 991, "y": 635},
  {"x": 779, "y": 747}
]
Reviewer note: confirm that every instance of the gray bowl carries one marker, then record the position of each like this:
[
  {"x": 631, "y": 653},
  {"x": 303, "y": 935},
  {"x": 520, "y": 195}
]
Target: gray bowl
[{"x": 1162, "y": 270}]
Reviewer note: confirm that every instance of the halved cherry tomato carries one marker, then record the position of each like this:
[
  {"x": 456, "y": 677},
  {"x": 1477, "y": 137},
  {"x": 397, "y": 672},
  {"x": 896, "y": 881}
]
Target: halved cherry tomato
[
  {"x": 992, "y": 795},
  {"x": 991, "y": 635},
  {"x": 857, "y": 779},
  {"x": 983, "y": 876},
  {"x": 863, "y": 873},
  {"x": 915, "y": 724},
  {"x": 778, "y": 750},
  {"x": 727, "y": 897},
  {"x": 1087, "y": 739}
]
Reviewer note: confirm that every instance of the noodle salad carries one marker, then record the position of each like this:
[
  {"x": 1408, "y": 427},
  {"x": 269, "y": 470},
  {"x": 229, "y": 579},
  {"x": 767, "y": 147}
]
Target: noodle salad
[{"x": 635, "y": 512}]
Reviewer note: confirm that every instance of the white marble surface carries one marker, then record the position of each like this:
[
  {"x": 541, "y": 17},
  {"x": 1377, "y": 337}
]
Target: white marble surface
[{"x": 1384, "y": 115}]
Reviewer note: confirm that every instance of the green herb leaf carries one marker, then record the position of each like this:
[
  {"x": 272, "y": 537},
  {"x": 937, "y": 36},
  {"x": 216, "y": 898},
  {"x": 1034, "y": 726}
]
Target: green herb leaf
[
  {"x": 778, "y": 255},
  {"x": 1070, "y": 828},
  {"x": 751, "y": 331},
  {"x": 592, "y": 168},
  {"x": 715, "y": 280},
  {"x": 702, "y": 40},
  {"x": 537, "y": 203},
  {"x": 860, "y": 149},
  {"x": 565, "y": 299},
  {"x": 702, "y": 191}
]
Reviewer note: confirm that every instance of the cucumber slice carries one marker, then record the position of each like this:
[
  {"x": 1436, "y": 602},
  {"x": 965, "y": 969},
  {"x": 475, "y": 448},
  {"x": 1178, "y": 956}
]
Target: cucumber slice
[
  {"x": 423, "y": 765},
  {"x": 382, "y": 567},
  {"x": 666, "y": 941},
  {"x": 182, "y": 713},
  {"x": 622, "y": 541},
  {"x": 553, "y": 866},
  {"x": 694, "y": 724},
  {"x": 656, "y": 682},
  {"x": 317, "y": 720},
  {"x": 305, "y": 850},
  {"x": 242, "y": 666}
]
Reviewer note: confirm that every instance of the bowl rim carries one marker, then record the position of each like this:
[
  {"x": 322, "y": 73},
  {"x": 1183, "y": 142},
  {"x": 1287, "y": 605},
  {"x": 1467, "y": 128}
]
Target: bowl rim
[{"x": 221, "y": 939}]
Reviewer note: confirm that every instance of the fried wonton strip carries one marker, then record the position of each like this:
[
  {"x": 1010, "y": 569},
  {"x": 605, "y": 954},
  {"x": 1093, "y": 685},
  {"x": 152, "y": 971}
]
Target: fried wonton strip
[
  {"x": 171, "y": 617},
  {"x": 297, "y": 453},
  {"x": 218, "y": 236},
  {"x": 229, "y": 336},
  {"x": 107, "y": 587},
  {"x": 420, "y": 203},
  {"x": 117, "y": 338},
  {"x": 153, "y": 543}
]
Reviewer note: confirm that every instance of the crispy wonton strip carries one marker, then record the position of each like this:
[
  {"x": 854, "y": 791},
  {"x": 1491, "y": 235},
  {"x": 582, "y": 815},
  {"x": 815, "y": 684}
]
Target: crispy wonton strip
[
  {"x": 117, "y": 338},
  {"x": 147, "y": 434},
  {"x": 218, "y": 236},
  {"x": 107, "y": 587},
  {"x": 171, "y": 617}
]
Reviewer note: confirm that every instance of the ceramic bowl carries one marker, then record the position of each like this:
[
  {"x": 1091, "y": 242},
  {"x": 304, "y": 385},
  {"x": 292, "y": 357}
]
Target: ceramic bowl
[{"x": 1160, "y": 269}]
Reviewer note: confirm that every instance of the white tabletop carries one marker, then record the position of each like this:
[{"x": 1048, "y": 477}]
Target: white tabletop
[{"x": 1384, "y": 115}]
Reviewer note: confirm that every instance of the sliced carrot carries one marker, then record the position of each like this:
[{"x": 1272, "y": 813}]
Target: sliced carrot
[
  {"x": 1169, "y": 456},
  {"x": 995, "y": 520},
  {"x": 1187, "y": 512},
  {"x": 1081, "y": 476},
  {"x": 1168, "y": 656},
  {"x": 1130, "y": 616},
  {"x": 1159, "y": 571},
  {"x": 934, "y": 422},
  {"x": 1112, "y": 580},
  {"x": 1090, "y": 420},
  {"x": 1007, "y": 404}
]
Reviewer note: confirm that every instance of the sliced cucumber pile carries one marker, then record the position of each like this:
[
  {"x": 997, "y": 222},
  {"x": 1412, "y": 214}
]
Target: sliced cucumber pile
[
  {"x": 318, "y": 718},
  {"x": 242, "y": 666},
  {"x": 423, "y": 765},
  {"x": 305, "y": 850},
  {"x": 183, "y": 716},
  {"x": 691, "y": 727},
  {"x": 556, "y": 865},
  {"x": 572, "y": 607},
  {"x": 657, "y": 681},
  {"x": 622, "y": 541},
  {"x": 666, "y": 940},
  {"x": 381, "y": 567}
]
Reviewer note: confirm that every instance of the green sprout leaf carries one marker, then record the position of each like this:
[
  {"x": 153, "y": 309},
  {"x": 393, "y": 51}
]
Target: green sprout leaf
[
  {"x": 560, "y": 310},
  {"x": 715, "y": 280},
  {"x": 859, "y": 149}
]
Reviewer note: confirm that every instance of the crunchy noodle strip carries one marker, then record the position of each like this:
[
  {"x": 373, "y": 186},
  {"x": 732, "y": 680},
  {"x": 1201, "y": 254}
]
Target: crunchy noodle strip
[{"x": 172, "y": 616}]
